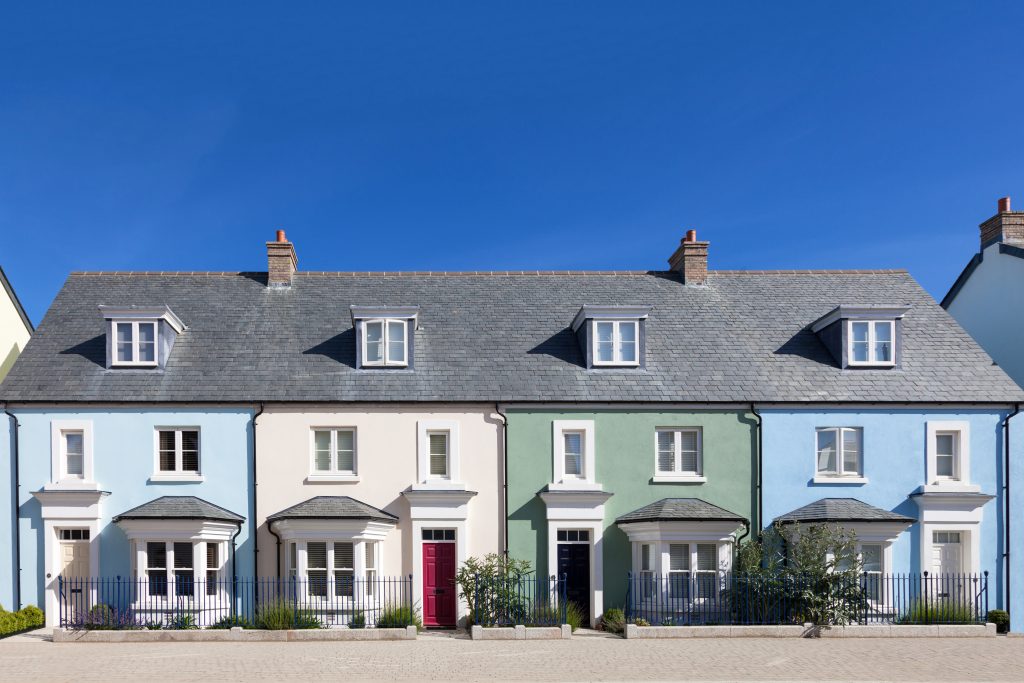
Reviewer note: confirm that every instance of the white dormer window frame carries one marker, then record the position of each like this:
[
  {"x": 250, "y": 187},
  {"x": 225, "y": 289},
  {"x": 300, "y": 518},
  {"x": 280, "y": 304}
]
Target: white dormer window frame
[
  {"x": 393, "y": 330},
  {"x": 872, "y": 341},
  {"x": 135, "y": 345},
  {"x": 584, "y": 478},
  {"x": 618, "y": 345}
]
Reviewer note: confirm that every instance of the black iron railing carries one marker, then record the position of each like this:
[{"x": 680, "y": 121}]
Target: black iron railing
[
  {"x": 525, "y": 600},
  {"x": 186, "y": 602},
  {"x": 707, "y": 598}
]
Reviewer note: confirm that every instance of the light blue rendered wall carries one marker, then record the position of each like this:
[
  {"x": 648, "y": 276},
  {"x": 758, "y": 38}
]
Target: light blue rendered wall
[
  {"x": 123, "y": 462},
  {"x": 990, "y": 306},
  {"x": 894, "y": 465},
  {"x": 7, "y": 567}
]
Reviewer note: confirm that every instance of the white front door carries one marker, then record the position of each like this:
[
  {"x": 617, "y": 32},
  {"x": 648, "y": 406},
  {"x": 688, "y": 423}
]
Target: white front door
[{"x": 947, "y": 552}]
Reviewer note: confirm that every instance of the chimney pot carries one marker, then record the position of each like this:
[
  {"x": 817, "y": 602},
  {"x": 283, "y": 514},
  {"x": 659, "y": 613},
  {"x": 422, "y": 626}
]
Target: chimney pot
[
  {"x": 280, "y": 236},
  {"x": 691, "y": 236},
  {"x": 1004, "y": 205}
]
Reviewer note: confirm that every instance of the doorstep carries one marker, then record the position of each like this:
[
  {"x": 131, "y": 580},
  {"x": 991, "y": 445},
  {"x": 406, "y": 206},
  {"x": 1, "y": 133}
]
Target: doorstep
[{"x": 563, "y": 632}]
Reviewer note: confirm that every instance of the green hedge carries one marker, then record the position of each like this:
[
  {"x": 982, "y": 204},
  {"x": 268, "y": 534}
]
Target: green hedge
[{"x": 22, "y": 620}]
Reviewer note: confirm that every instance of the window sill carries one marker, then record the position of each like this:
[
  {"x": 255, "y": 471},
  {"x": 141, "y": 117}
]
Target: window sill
[
  {"x": 177, "y": 478},
  {"x": 950, "y": 487},
  {"x": 678, "y": 479},
  {"x": 840, "y": 481},
  {"x": 574, "y": 485},
  {"x": 332, "y": 479}
]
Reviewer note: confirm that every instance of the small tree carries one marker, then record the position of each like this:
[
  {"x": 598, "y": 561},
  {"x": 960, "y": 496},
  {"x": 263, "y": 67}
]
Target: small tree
[{"x": 491, "y": 587}]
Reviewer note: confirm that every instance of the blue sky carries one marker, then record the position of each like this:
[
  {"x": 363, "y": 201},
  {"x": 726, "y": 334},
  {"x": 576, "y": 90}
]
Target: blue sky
[{"x": 504, "y": 135}]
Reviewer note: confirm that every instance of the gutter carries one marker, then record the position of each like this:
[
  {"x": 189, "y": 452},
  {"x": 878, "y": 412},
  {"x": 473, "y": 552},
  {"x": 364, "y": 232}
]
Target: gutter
[
  {"x": 15, "y": 496},
  {"x": 1006, "y": 503},
  {"x": 504, "y": 478},
  {"x": 758, "y": 465}
]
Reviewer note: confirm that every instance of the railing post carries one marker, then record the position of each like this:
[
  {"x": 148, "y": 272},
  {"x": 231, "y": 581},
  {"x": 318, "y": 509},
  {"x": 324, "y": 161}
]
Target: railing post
[{"x": 984, "y": 587}]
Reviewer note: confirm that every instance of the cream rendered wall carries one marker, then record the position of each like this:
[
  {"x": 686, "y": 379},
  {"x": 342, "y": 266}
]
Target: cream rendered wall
[
  {"x": 13, "y": 333},
  {"x": 386, "y": 461}
]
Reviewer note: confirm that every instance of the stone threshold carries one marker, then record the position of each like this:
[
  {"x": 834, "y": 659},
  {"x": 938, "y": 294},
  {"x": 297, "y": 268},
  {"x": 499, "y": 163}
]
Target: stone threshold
[
  {"x": 61, "y": 635},
  {"x": 563, "y": 632},
  {"x": 812, "y": 631}
]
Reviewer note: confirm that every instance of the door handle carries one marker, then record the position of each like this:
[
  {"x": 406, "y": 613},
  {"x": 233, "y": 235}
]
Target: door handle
[{"x": 438, "y": 591}]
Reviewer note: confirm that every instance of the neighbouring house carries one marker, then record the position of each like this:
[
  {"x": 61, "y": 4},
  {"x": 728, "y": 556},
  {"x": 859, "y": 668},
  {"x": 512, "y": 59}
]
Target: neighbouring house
[
  {"x": 15, "y": 326},
  {"x": 988, "y": 297}
]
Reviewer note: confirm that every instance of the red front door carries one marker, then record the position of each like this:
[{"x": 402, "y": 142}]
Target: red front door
[{"x": 439, "y": 584}]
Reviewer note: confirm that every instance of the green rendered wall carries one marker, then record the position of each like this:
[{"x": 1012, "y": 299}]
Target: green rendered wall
[{"x": 624, "y": 466}]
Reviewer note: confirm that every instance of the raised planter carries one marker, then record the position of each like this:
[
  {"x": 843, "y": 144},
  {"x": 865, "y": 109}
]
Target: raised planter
[
  {"x": 811, "y": 631},
  {"x": 61, "y": 635},
  {"x": 563, "y": 632}
]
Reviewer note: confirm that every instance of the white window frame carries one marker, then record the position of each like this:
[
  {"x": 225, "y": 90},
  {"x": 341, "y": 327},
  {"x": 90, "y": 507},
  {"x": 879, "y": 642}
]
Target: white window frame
[
  {"x": 586, "y": 478},
  {"x": 297, "y": 565},
  {"x": 677, "y": 475},
  {"x": 201, "y": 571},
  {"x": 134, "y": 362},
  {"x": 58, "y": 461},
  {"x": 385, "y": 341},
  {"x": 662, "y": 562},
  {"x": 333, "y": 474},
  {"x": 616, "y": 343},
  {"x": 447, "y": 455},
  {"x": 425, "y": 480},
  {"x": 178, "y": 475},
  {"x": 885, "y": 558},
  {"x": 963, "y": 465},
  {"x": 872, "y": 337},
  {"x": 840, "y": 476}
]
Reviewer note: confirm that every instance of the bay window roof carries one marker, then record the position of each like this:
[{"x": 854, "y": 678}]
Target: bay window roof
[
  {"x": 180, "y": 507},
  {"x": 680, "y": 510},
  {"x": 841, "y": 510},
  {"x": 333, "y": 507}
]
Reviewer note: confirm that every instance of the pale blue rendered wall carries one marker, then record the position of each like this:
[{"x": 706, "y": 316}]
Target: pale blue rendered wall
[
  {"x": 990, "y": 306},
  {"x": 7, "y": 568},
  {"x": 123, "y": 462},
  {"x": 894, "y": 464}
]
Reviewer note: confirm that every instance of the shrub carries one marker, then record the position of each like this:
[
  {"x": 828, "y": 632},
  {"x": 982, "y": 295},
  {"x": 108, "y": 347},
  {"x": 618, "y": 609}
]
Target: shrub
[
  {"x": 640, "y": 621},
  {"x": 399, "y": 616},
  {"x": 358, "y": 619},
  {"x": 543, "y": 614},
  {"x": 938, "y": 612},
  {"x": 613, "y": 620},
  {"x": 1000, "y": 618},
  {"x": 231, "y": 622},
  {"x": 493, "y": 588},
  {"x": 281, "y": 616},
  {"x": 574, "y": 615},
  {"x": 35, "y": 617},
  {"x": 11, "y": 623},
  {"x": 182, "y": 622}
]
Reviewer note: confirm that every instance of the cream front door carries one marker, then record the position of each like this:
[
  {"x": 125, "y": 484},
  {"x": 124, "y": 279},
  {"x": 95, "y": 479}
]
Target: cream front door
[{"x": 74, "y": 563}]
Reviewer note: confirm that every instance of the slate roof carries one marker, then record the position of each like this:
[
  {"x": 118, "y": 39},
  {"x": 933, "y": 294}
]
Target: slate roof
[
  {"x": 333, "y": 507},
  {"x": 180, "y": 507},
  {"x": 501, "y": 337},
  {"x": 680, "y": 510},
  {"x": 841, "y": 510}
]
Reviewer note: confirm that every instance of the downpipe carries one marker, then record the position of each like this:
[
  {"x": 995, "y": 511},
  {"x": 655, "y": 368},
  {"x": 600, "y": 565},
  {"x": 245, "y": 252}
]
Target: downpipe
[
  {"x": 15, "y": 497},
  {"x": 1006, "y": 507}
]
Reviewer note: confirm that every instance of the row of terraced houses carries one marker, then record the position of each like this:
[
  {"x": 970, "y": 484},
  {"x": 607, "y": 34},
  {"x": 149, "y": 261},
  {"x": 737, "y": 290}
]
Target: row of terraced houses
[{"x": 327, "y": 424}]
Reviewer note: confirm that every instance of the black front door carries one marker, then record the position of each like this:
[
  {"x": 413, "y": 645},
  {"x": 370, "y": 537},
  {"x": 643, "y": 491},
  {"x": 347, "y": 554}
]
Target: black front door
[{"x": 574, "y": 564}]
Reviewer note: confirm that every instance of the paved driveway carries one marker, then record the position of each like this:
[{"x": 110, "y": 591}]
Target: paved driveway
[{"x": 438, "y": 657}]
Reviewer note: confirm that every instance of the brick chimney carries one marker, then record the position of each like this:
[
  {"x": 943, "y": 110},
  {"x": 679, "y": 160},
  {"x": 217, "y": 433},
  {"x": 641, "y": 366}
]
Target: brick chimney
[
  {"x": 1005, "y": 226},
  {"x": 281, "y": 262},
  {"x": 691, "y": 259}
]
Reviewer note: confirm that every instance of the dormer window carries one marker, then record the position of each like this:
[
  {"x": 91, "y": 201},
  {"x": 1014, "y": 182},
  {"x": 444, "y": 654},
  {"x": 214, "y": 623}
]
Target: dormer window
[
  {"x": 862, "y": 337},
  {"x": 385, "y": 335},
  {"x": 140, "y": 336},
  {"x": 871, "y": 342},
  {"x": 384, "y": 343},
  {"x": 616, "y": 342},
  {"x": 136, "y": 343},
  {"x": 612, "y": 336}
]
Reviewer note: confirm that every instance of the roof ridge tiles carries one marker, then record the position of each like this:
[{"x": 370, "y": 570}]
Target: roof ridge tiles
[{"x": 463, "y": 273}]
